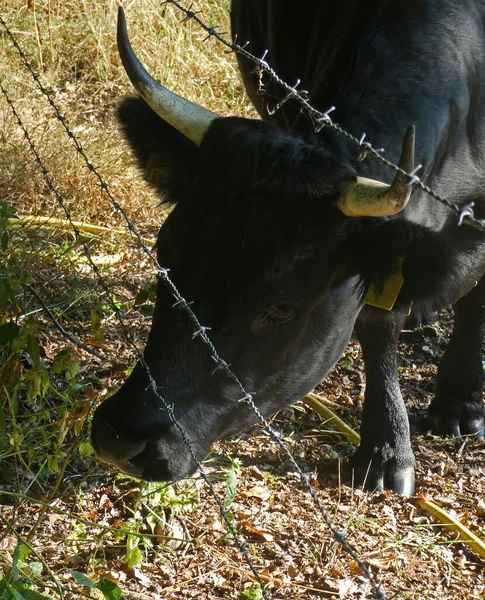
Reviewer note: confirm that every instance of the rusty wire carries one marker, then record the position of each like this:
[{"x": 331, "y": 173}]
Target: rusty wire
[{"x": 199, "y": 329}]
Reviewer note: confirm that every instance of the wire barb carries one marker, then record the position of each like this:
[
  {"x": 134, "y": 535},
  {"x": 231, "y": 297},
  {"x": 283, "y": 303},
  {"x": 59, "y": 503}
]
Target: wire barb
[
  {"x": 466, "y": 213},
  {"x": 293, "y": 92}
]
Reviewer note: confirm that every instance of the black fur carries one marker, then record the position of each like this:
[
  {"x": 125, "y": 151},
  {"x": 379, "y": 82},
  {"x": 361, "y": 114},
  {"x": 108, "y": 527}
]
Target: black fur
[
  {"x": 166, "y": 157},
  {"x": 255, "y": 234}
]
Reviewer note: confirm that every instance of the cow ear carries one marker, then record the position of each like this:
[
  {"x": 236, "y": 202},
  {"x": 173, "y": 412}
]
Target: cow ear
[
  {"x": 165, "y": 156},
  {"x": 429, "y": 266}
]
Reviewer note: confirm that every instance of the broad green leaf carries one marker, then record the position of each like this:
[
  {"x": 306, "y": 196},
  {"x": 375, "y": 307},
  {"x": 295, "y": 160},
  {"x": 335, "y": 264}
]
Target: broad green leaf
[
  {"x": 133, "y": 555},
  {"x": 20, "y": 554},
  {"x": 36, "y": 568},
  {"x": 52, "y": 464},
  {"x": 83, "y": 580},
  {"x": 97, "y": 325},
  {"x": 253, "y": 593},
  {"x": 141, "y": 297},
  {"x": 72, "y": 369},
  {"x": 147, "y": 310},
  {"x": 6, "y": 293},
  {"x": 84, "y": 449},
  {"x": 24, "y": 552},
  {"x": 26, "y": 593},
  {"x": 135, "y": 558},
  {"x": 33, "y": 349},
  {"x": 61, "y": 360},
  {"x": 15, "y": 595},
  {"x": 231, "y": 483},
  {"x": 110, "y": 590}
]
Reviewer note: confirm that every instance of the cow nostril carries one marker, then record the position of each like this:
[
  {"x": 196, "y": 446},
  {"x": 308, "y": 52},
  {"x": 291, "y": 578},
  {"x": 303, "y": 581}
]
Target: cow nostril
[
  {"x": 127, "y": 451},
  {"x": 114, "y": 446},
  {"x": 133, "y": 465}
]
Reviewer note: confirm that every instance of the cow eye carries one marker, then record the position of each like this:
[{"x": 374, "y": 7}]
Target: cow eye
[{"x": 279, "y": 312}]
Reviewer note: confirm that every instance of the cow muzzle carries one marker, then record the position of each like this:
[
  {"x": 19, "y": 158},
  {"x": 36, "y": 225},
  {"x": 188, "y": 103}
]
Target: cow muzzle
[
  {"x": 115, "y": 447},
  {"x": 162, "y": 458}
]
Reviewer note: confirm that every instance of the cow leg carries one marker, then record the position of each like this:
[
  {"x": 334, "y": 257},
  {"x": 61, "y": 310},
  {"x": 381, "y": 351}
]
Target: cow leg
[
  {"x": 384, "y": 457},
  {"x": 457, "y": 408}
]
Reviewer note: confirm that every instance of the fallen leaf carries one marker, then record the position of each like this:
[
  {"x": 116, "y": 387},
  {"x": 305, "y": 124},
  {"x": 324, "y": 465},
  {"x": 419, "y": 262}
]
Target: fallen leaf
[
  {"x": 257, "y": 492},
  {"x": 93, "y": 342},
  {"x": 8, "y": 544},
  {"x": 176, "y": 532},
  {"x": 256, "y": 533},
  {"x": 461, "y": 561},
  {"x": 217, "y": 525},
  {"x": 53, "y": 518},
  {"x": 382, "y": 564},
  {"x": 256, "y": 473},
  {"x": 90, "y": 392},
  {"x": 292, "y": 571},
  {"x": 105, "y": 501},
  {"x": 347, "y": 588},
  {"x": 314, "y": 479},
  {"x": 143, "y": 579}
]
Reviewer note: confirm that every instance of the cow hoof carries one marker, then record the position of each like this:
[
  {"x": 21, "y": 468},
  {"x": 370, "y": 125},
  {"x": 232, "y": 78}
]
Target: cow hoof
[
  {"x": 400, "y": 481},
  {"x": 449, "y": 426},
  {"x": 445, "y": 426},
  {"x": 474, "y": 427}
]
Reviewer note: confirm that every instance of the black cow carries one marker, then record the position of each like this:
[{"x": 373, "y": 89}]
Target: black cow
[{"x": 277, "y": 233}]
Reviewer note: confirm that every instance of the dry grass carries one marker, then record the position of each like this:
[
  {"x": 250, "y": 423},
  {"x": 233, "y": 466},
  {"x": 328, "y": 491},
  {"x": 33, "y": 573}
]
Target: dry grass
[{"x": 71, "y": 43}]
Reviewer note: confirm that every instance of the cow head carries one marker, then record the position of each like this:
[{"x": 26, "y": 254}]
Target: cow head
[{"x": 265, "y": 242}]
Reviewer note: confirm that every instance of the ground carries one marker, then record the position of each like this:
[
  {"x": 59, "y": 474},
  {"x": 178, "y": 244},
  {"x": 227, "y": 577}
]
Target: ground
[
  {"x": 188, "y": 552},
  {"x": 68, "y": 523}
]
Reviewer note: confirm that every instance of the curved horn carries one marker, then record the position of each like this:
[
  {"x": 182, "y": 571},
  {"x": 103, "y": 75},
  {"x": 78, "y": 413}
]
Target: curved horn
[
  {"x": 190, "y": 119},
  {"x": 371, "y": 198}
]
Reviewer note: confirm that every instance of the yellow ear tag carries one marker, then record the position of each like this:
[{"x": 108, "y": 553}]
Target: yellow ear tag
[{"x": 386, "y": 296}]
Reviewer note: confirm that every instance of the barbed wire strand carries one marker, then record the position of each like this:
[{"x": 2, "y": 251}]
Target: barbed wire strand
[
  {"x": 199, "y": 331},
  {"x": 241, "y": 546},
  {"x": 465, "y": 214}
]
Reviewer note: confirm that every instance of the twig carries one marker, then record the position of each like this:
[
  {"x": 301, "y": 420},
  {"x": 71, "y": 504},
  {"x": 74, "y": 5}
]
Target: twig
[{"x": 37, "y": 37}]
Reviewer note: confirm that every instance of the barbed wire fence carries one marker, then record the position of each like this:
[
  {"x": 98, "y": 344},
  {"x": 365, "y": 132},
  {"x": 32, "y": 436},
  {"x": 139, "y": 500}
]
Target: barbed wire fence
[
  {"x": 465, "y": 215},
  {"x": 242, "y": 547},
  {"x": 199, "y": 331}
]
